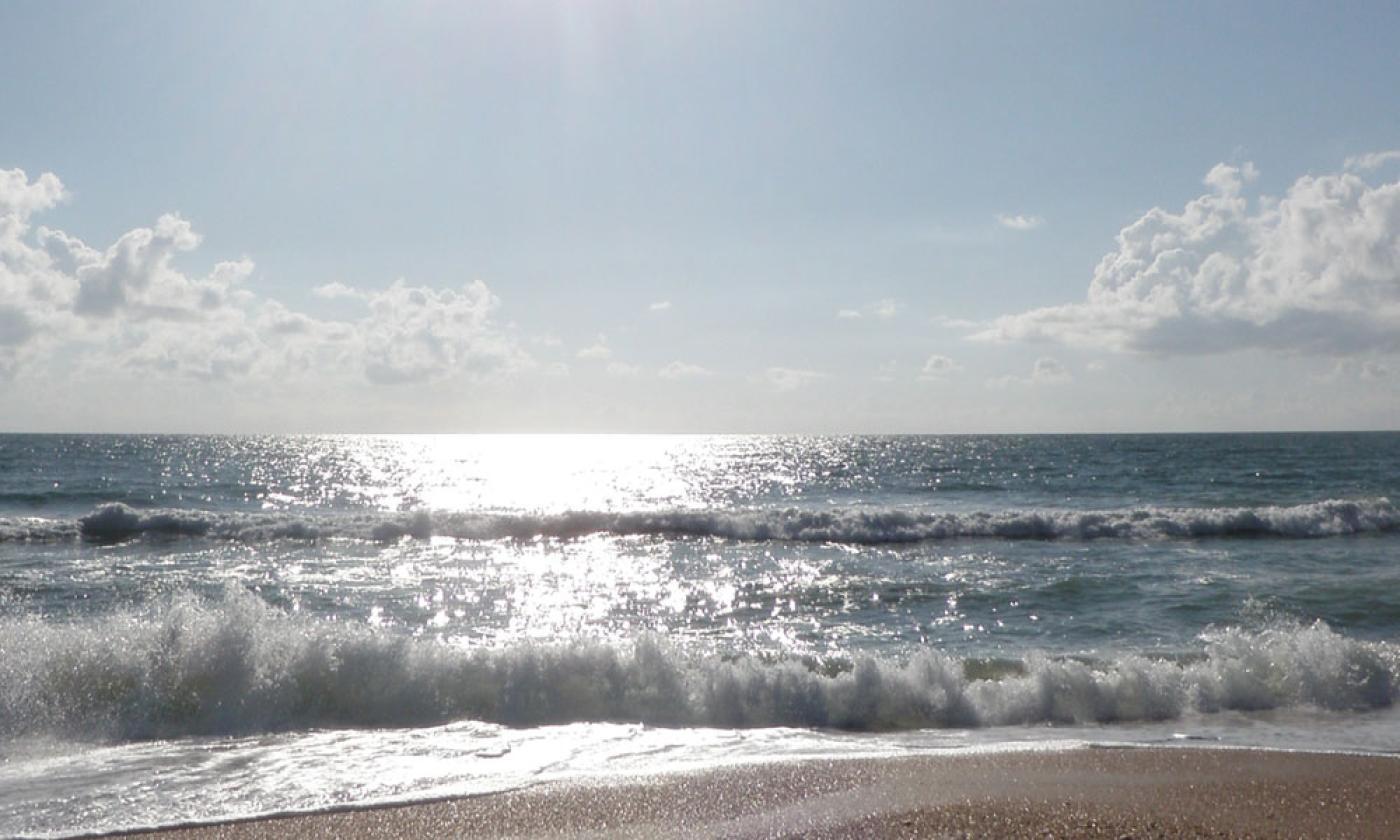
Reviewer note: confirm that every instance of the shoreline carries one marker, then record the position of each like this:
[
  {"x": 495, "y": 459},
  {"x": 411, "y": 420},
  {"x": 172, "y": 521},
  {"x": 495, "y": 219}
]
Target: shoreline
[{"x": 1086, "y": 792}]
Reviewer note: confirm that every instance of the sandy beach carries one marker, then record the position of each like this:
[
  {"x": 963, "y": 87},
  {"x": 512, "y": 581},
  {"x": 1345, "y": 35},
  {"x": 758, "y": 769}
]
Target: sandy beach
[{"x": 1139, "y": 793}]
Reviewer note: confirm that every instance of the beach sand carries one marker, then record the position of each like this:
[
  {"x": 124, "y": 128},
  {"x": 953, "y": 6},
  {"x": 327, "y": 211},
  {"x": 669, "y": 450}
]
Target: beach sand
[{"x": 1110, "y": 792}]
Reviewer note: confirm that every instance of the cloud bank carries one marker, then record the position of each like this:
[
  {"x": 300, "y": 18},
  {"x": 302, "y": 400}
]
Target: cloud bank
[
  {"x": 127, "y": 309},
  {"x": 1315, "y": 271}
]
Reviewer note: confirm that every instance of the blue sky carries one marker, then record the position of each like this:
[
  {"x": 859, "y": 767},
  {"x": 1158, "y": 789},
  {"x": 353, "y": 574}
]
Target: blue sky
[{"x": 698, "y": 217}]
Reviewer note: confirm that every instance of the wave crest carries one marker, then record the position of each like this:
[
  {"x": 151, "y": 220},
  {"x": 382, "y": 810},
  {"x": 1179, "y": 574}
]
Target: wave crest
[
  {"x": 238, "y": 666},
  {"x": 862, "y": 526}
]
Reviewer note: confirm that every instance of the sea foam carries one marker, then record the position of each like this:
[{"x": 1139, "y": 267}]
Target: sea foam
[
  {"x": 855, "y": 525},
  {"x": 235, "y": 665}
]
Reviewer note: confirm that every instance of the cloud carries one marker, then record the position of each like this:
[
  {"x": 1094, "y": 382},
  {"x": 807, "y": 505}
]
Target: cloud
[
  {"x": 883, "y": 309},
  {"x": 790, "y": 379},
  {"x": 623, "y": 369},
  {"x": 938, "y": 367},
  {"x": 333, "y": 291},
  {"x": 660, "y": 306},
  {"x": 36, "y": 293},
  {"x": 597, "y": 351},
  {"x": 957, "y": 323},
  {"x": 1049, "y": 371},
  {"x": 126, "y": 309},
  {"x": 20, "y": 198},
  {"x": 416, "y": 333},
  {"x": 1372, "y": 160},
  {"x": 1046, "y": 371},
  {"x": 1372, "y": 369},
  {"x": 682, "y": 370},
  {"x": 135, "y": 273},
  {"x": 15, "y": 328},
  {"x": 1019, "y": 222},
  {"x": 1316, "y": 271}
]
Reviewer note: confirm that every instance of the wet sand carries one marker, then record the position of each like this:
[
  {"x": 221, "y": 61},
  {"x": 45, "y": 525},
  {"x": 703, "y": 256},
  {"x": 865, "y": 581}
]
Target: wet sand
[{"x": 1114, "y": 793}]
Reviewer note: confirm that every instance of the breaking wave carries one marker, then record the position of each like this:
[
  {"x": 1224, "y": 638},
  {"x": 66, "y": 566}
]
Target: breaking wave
[
  {"x": 115, "y": 522},
  {"x": 236, "y": 665}
]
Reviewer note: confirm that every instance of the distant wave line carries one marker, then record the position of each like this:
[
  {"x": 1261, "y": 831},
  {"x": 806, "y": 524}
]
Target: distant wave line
[{"x": 115, "y": 522}]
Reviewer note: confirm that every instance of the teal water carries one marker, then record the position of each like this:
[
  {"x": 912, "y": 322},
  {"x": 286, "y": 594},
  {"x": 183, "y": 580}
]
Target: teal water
[{"x": 267, "y": 623}]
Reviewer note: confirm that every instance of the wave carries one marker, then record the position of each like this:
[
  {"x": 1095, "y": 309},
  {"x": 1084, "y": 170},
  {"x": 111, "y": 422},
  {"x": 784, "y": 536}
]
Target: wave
[
  {"x": 235, "y": 666},
  {"x": 870, "y": 526}
]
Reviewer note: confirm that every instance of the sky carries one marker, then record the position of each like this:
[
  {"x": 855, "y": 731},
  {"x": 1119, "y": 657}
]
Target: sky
[{"x": 699, "y": 217}]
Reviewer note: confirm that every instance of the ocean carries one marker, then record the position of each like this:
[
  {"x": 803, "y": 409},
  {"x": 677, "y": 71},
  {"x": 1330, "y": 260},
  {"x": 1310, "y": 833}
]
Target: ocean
[{"x": 198, "y": 628}]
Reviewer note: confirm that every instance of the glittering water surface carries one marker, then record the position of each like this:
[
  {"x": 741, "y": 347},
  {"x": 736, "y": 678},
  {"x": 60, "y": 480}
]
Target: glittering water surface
[{"x": 202, "y": 627}]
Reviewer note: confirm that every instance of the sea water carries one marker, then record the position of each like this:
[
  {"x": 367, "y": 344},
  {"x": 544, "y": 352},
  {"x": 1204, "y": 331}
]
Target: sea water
[{"x": 198, "y": 628}]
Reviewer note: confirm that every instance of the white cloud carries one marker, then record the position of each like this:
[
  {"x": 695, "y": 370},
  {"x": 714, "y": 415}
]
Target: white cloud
[
  {"x": 597, "y": 351},
  {"x": 660, "y": 306},
  {"x": 127, "y": 308},
  {"x": 20, "y": 198},
  {"x": 623, "y": 369},
  {"x": 332, "y": 291},
  {"x": 135, "y": 273},
  {"x": 1046, "y": 371},
  {"x": 415, "y": 333},
  {"x": 35, "y": 292},
  {"x": 883, "y": 309},
  {"x": 957, "y": 323},
  {"x": 1372, "y": 160},
  {"x": 1315, "y": 271},
  {"x": 938, "y": 367},
  {"x": 790, "y": 379},
  {"x": 1019, "y": 222},
  {"x": 1049, "y": 371},
  {"x": 682, "y": 370},
  {"x": 1353, "y": 368}
]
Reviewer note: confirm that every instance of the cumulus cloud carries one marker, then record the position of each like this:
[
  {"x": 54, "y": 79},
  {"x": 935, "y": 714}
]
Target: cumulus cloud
[
  {"x": 1315, "y": 271},
  {"x": 682, "y": 370},
  {"x": 1372, "y": 160},
  {"x": 660, "y": 306},
  {"x": 21, "y": 198},
  {"x": 790, "y": 379},
  {"x": 128, "y": 308},
  {"x": 35, "y": 292},
  {"x": 938, "y": 367},
  {"x": 1019, "y": 222},
  {"x": 415, "y": 333},
  {"x": 135, "y": 272}
]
